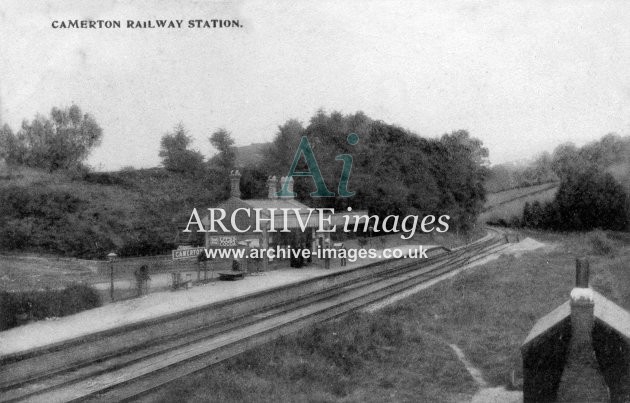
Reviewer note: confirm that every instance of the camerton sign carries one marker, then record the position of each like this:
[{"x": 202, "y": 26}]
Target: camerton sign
[{"x": 187, "y": 253}]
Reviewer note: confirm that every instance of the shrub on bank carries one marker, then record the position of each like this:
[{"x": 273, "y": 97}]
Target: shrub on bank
[
  {"x": 600, "y": 244},
  {"x": 35, "y": 305}
]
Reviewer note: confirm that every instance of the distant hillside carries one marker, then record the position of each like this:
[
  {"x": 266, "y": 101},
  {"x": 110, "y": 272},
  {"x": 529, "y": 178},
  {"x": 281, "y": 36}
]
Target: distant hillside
[
  {"x": 248, "y": 156},
  {"x": 88, "y": 215},
  {"x": 251, "y": 155}
]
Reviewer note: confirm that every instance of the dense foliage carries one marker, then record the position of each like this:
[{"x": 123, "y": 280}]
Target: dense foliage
[
  {"x": 176, "y": 154},
  {"x": 587, "y": 199},
  {"x": 36, "y": 305},
  {"x": 140, "y": 212},
  {"x": 593, "y": 191},
  {"x": 132, "y": 212},
  {"x": 611, "y": 154},
  {"x": 62, "y": 141},
  {"x": 394, "y": 171},
  {"x": 223, "y": 142}
]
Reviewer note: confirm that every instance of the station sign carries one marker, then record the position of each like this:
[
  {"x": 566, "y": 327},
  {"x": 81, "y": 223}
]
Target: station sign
[{"x": 187, "y": 253}]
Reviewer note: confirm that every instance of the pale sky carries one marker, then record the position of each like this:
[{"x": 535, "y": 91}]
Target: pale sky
[{"x": 522, "y": 76}]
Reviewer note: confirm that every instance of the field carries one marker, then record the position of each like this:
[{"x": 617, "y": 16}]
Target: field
[
  {"x": 498, "y": 198},
  {"x": 402, "y": 352},
  {"x": 508, "y": 204}
]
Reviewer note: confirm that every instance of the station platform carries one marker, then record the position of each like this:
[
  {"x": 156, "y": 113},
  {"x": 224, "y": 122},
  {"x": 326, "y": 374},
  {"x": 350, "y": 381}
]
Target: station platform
[{"x": 127, "y": 312}]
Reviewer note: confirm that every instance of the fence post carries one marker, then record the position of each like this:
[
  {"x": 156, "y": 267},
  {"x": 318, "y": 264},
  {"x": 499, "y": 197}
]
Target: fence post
[{"x": 111, "y": 257}]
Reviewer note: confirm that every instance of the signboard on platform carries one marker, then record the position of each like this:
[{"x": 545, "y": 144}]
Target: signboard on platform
[
  {"x": 187, "y": 253},
  {"x": 223, "y": 241}
]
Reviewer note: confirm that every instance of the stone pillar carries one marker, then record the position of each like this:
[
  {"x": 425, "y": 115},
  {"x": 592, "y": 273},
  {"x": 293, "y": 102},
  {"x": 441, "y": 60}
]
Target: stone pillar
[
  {"x": 271, "y": 185},
  {"x": 235, "y": 184}
]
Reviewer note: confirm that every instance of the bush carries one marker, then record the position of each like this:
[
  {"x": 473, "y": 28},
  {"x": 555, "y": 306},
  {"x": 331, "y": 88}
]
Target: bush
[
  {"x": 591, "y": 199},
  {"x": 586, "y": 200},
  {"x": 148, "y": 244},
  {"x": 8, "y": 310},
  {"x": 105, "y": 178},
  {"x": 600, "y": 244},
  {"x": 46, "y": 304}
]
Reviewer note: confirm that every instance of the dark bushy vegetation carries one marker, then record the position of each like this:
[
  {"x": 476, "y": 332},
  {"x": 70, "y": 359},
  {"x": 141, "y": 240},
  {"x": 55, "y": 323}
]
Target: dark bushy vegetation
[
  {"x": 593, "y": 191},
  {"x": 132, "y": 212},
  {"x": 585, "y": 201},
  {"x": 147, "y": 244},
  {"x": 74, "y": 212},
  {"x": 394, "y": 170},
  {"x": 36, "y": 305},
  {"x": 600, "y": 244},
  {"x": 62, "y": 141},
  {"x": 176, "y": 154},
  {"x": 47, "y": 219}
]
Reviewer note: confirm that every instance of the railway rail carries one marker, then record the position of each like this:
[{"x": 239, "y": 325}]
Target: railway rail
[{"x": 124, "y": 363}]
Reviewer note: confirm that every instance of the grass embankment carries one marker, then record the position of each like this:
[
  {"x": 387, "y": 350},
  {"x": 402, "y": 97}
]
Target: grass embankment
[
  {"x": 22, "y": 307},
  {"x": 510, "y": 204},
  {"x": 87, "y": 215},
  {"x": 401, "y": 353},
  {"x": 364, "y": 357},
  {"x": 505, "y": 196}
]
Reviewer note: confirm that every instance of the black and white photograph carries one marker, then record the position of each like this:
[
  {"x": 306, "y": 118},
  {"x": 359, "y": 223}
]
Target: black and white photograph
[{"x": 300, "y": 201}]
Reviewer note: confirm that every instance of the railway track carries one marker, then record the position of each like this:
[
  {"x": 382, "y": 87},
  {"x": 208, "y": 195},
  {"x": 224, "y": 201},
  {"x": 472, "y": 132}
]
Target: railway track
[{"x": 103, "y": 374}]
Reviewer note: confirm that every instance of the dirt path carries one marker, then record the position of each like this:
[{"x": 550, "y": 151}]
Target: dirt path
[{"x": 486, "y": 394}]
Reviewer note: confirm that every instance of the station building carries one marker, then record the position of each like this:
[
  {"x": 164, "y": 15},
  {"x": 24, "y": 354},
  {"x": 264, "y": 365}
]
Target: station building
[{"x": 295, "y": 237}]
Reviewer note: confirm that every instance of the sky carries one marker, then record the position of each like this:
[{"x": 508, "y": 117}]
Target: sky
[{"x": 521, "y": 76}]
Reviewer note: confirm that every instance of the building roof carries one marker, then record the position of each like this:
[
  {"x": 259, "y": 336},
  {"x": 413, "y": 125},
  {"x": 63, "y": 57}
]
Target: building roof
[
  {"x": 606, "y": 312},
  {"x": 307, "y": 217},
  {"x": 279, "y": 203}
]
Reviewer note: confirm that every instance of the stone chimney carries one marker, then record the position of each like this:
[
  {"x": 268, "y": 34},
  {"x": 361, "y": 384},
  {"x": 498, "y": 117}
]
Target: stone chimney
[
  {"x": 235, "y": 184},
  {"x": 272, "y": 183},
  {"x": 581, "y": 378},
  {"x": 289, "y": 187}
]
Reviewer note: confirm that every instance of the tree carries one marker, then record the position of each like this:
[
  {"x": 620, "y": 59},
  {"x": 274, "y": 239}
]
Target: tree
[
  {"x": 462, "y": 171},
  {"x": 222, "y": 141},
  {"x": 278, "y": 156},
  {"x": 175, "y": 154},
  {"x": 592, "y": 199},
  {"x": 60, "y": 142},
  {"x": 394, "y": 171},
  {"x": 253, "y": 184},
  {"x": 566, "y": 159}
]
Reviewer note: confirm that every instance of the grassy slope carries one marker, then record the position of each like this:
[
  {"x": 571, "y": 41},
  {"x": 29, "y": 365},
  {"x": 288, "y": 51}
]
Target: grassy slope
[
  {"x": 400, "y": 353},
  {"x": 250, "y": 155},
  {"x": 498, "y": 198},
  {"x": 514, "y": 208},
  {"x": 113, "y": 207}
]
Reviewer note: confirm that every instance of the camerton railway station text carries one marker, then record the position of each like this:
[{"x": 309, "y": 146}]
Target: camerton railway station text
[{"x": 148, "y": 24}]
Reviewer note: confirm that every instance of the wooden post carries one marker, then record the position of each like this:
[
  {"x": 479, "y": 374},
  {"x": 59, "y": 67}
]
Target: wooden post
[
  {"x": 111, "y": 257},
  {"x": 111, "y": 280}
]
